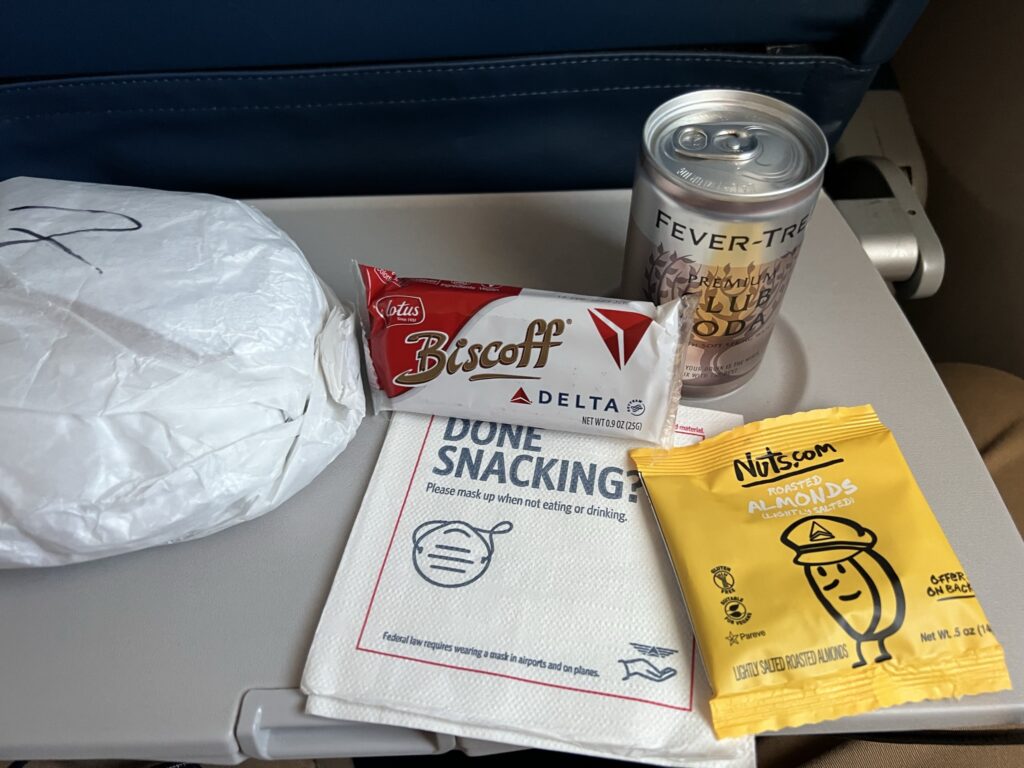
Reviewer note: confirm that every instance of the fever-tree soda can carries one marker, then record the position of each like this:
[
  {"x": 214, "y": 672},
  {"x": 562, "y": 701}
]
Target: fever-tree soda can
[{"x": 725, "y": 187}]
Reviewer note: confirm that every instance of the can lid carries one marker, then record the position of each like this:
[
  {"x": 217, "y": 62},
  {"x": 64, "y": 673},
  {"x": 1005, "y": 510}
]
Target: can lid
[{"x": 735, "y": 145}]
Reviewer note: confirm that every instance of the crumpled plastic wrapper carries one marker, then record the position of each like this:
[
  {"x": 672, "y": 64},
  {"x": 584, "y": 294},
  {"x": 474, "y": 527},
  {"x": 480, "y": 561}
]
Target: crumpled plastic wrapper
[{"x": 170, "y": 366}]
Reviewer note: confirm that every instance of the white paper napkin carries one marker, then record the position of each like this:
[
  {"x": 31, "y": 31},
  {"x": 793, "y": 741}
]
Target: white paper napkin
[{"x": 511, "y": 584}]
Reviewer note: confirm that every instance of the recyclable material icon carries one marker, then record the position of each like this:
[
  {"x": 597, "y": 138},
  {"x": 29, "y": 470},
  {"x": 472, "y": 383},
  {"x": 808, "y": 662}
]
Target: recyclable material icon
[
  {"x": 453, "y": 553},
  {"x": 856, "y": 585},
  {"x": 646, "y": 669}
]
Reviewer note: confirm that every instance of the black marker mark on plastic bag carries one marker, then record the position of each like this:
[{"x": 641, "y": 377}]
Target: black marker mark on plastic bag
[{"x": 52, "y": 239}]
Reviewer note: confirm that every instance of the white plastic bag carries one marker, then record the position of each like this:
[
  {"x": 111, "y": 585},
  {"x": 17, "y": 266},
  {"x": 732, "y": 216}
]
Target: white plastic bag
[{"x": 169, "y": 366}]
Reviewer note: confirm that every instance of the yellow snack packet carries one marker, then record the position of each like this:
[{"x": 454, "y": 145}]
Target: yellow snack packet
[{"x": 818, "y": 581}]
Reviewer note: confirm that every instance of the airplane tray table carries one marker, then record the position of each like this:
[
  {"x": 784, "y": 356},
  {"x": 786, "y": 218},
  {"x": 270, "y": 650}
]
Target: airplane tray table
[{"x": 193, "y": 651}]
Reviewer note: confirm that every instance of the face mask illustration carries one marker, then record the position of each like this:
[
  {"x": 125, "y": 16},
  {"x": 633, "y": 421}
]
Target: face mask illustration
[
  {"x": 453, "y": 553},
  {"x": 856, "y": 585}
]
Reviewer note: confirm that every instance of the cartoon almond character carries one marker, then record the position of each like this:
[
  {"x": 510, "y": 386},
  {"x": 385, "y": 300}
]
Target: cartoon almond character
[
  {"x": 453, "y": 553},
  {"x": 856, "y": 585}
]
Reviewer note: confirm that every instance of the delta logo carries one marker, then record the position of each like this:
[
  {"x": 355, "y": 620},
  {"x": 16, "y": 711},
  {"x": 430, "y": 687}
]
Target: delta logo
[
  {"x": 521, "y": 397},
  {"x": 574, "y": 400},
  {"x": 400, "y": 310},
  {"x": 621, "y": 331}
]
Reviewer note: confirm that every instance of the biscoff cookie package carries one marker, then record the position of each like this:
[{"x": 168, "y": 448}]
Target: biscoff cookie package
[
  {"x": 583, "y": 364},
  {"x": 818, "y": 581}
]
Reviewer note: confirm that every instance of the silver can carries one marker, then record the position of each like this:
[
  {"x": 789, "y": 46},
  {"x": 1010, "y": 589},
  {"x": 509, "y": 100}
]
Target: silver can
[{"x": 725, "y": 187}]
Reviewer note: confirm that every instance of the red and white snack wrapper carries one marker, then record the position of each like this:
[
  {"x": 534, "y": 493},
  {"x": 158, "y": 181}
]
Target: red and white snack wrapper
[{"x": 514, "y": 355}]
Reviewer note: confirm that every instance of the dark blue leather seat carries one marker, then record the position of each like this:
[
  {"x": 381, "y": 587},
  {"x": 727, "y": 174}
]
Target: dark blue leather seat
[{"x": 261, "y": 98}]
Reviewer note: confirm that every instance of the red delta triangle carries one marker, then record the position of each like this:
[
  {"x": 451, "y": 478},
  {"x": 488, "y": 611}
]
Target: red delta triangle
[
  {"x": 620, "y": 331},
  {"x": 521, "y": 397}
]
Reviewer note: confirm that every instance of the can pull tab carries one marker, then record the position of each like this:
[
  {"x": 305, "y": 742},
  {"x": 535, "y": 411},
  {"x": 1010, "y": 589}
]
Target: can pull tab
[{"x": 721, "y": 141}]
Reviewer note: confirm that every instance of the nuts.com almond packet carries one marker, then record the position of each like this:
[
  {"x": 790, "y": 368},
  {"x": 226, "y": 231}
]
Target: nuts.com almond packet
[{"x": 818, "y": 581}]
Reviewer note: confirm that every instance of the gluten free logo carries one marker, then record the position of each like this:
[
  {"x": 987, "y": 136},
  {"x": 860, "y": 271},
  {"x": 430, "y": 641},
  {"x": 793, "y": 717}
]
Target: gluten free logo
[{"x": 723, "y": 578}]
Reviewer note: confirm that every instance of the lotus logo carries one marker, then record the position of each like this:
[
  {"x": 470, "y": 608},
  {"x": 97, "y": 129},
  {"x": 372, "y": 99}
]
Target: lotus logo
[
  {"x": 400, "y": 310},
  {"x": 620, "y": 331}
]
